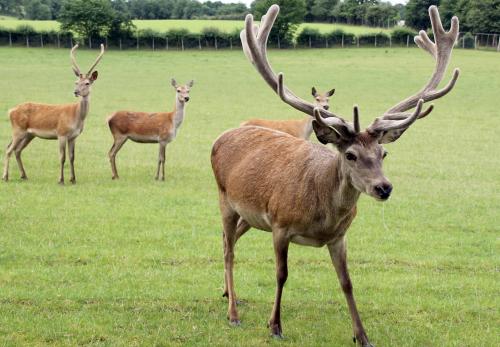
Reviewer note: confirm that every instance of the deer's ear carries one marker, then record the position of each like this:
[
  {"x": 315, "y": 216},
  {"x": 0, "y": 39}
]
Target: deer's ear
[
  {"x": 313, "y": 91},
  {"x": 331, "y": 92},
  {"x": 94, "y": 75},
  {"x": 174, "y": 83},
  {"x": 326, "y": 134},
  {"x": 191, "y": 83}
]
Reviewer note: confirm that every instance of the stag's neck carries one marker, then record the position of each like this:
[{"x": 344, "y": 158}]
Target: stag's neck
[
  {"x": 178, "y": 113},
  {"x": 343, "y": 195},
  {"x": 83, "y": 107}
]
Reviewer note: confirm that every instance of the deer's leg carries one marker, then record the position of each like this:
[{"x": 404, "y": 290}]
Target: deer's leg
[
  {"x": 117, "y": 145},
  {"x": 281, "y": 252},
  {"x": 241, "y": 228},
  {"x": 16, "y": 140},
  {"x": 338, "y": 254},
  {"x": 161, "y": 162},
  {"x": 62, "y": 156},
  {"x": 71, "y": 152},
  {"x": 22, "y": 145},
  {"x": 229, "y": 220}
]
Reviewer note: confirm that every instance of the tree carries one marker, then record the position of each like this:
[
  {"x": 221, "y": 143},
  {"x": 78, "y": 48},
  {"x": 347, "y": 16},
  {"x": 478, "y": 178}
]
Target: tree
[
  {"x": 484, "y": 16},
  {"x": 35, "y": 9},
  {"x": 323, "y": 9},
  {"x": 417, "y": 16},
  {"x": 292, "y": 13},
  {"x": 91, "y": 18}
]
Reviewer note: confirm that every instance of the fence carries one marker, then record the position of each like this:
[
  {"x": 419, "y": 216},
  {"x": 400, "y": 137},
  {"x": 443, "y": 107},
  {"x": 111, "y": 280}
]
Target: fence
[{"x": 211, "y": 38}]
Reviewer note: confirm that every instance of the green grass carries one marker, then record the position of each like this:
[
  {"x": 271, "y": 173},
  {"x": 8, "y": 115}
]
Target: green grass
[
  {"x": 136, "y": 262},
  {"x": 195, "y": 26}
]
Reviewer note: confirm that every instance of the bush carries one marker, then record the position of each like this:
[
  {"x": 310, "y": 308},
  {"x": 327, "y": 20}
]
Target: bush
[
  {"x": 400, "y": 36},
  {"x": 335, "y": 38},
  {"x": 310, "y": 37},
  {"x": 374, "y": 39}
]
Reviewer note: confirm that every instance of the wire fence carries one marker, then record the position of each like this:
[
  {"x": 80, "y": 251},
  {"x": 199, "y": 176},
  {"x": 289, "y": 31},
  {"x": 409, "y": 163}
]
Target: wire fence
[{"x": 336, "y": 39}]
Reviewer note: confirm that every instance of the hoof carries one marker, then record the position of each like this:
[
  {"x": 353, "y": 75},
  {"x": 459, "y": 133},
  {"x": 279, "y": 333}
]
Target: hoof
[
  {"x": 60, "y": 182},
  {"x": 73, "y": 181},
  {"x": 368, "y": 344},
  {"x": 114, "y": 177},
  {"x": 235, "y": 322},
  {"x": 5, "y": 178},
  {"x": 276, "y": 331},
  {"x": 225, "y": 294},
  {"x": 24, "y": 177},
  {"x": 277, "y": 336}
]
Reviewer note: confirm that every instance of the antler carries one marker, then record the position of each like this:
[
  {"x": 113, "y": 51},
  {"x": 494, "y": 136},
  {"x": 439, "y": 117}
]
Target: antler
[
  {"x": 75, "y": 67},
  {"x": 441, "y": 51},
  {"x": 254, "y": 42},
  {"x": 97, "y": 60}
]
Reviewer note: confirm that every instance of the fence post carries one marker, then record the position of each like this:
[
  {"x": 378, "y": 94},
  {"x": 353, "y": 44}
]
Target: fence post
[
  {"x": 342, "y": 40},
  {"x": 199, "y": 42},
  {"x": 231, "y": 42},
  {"x": 326, "y": 42},
  {"x": 390, "y": 41},
  {"x": 498, "y": 44},
  {"x": 120, "y": 43},
  {"x": 182, "y": 43},
  {"x": 153, "y": 43},
  {"x": 41, "y": 40},
  {"x": 167, "y": 43},
  {"x": 279, "y": 44},
  {"x": 90, "y": 41},
  {"x": 475, "y": 42},
  {"x": 106, "y": 42},
  {"x": 215, "y": 42},
  {"x": 58, "y": 41},
  {"x": 463, "y": 41},
  {"x": 71, "y": 41},
  {"x": 357, "y": 41},
  {"x": 10, "y": 39},
  {"x": 375, "y": 40},
  {"x": 27, "y": 41},
  {"x": 407, "y": 41}
]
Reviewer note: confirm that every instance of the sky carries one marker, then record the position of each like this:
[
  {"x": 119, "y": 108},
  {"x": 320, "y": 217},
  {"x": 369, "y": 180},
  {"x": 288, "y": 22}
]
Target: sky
[{"x": 248, "y": 2}]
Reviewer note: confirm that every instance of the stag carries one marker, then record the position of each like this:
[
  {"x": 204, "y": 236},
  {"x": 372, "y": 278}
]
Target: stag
[
  {"x": 302, "y": 192},
  {"x": 145, "y": 127},
  {"x": 298, "y": 128},
  {"x": 51, "y": 122}
]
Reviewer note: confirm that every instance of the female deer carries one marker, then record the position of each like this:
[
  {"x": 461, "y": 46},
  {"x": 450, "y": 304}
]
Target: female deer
[{"x": 142, "y": 127}]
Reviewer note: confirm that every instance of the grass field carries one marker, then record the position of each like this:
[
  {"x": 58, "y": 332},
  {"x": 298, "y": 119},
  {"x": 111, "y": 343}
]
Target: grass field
[
  {"x": 136, "y": 262},
  {"x": 194, "y": 26}
]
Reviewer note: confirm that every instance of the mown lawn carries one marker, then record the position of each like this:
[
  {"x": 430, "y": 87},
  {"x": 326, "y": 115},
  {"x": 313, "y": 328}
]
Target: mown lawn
[
  {"x": 194, "y": 26},
  {"x": 137, "y": 262}
]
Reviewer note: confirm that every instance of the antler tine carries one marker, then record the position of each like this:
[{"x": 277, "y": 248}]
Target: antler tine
[
  {"x": 441, "y": 51},
  {"x": 384, "y": 124},
  {"x": 73, "y": 59},
  {"x": 97, "y": 60},
  {"x": 254, "y": 40},
  {"x": 401, "y": 116},
  {"x": 356, "y": 118}
]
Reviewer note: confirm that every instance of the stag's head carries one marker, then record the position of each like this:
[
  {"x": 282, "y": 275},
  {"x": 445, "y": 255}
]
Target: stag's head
[
  {"x": 360, "y": 152},
  {"x": 182, "y": 91},
  {"x": 322, "y": 99},
  {"x": 84, "y": 80}
]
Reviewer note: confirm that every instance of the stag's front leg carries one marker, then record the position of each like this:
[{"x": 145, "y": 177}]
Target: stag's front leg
[
  {"x": 62, "y": 156},
  {"x": 71, "y": 151},
  {"x": 281, "y": 244},
  {"x": 338, "y": 254}
]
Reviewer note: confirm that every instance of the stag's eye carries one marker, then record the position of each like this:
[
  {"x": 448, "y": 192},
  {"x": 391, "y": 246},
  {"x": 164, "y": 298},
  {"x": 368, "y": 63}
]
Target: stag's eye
[
  {"x": 384, "y": 154},
  {"x": 350, "y": 156}
]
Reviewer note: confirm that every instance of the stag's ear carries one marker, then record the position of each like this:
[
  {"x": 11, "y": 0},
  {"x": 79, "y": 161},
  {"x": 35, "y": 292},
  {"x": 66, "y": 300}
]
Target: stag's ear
[
  {"x": 94, "y": 75},
  {"x": 313, "y": 91},
  {"x": 190, "y": 84},
  {"x": 331, "y": 92},
  {"x": 174, "y": 83},
  {"x": 326, "y": 134}
]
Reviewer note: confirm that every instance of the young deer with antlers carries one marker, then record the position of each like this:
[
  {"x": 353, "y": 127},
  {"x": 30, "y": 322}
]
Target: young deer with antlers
[
  {"x": 62, "y": 122},
  {"x": 145, "y": 127},
  {"x": 298, "y": 128},
  {"x": 303, "y": 192}
]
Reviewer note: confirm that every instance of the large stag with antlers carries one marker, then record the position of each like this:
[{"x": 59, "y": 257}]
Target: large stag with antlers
[
  {"x": 143, "y": 127},
  {"x": 303, "y": 192},
  {"x": 61, "y": 122},
  {"x": 299, "y": 128}
]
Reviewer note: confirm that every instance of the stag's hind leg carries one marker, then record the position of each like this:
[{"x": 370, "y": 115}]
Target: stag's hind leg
[
  {"x": 229, "y": 221},
  {"x": 119, "y": 140},
  {"x": 16, "y": 140},
  {"x": 241, "y": 228},
  {"x": 339, "y": 258},
  {"x": 18, "y": 150}
]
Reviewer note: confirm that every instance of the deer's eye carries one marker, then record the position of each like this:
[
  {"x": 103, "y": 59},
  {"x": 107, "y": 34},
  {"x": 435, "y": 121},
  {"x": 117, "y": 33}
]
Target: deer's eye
[
  {"x": 350, "y": 156},
  {"x": 385, "y": 154}
]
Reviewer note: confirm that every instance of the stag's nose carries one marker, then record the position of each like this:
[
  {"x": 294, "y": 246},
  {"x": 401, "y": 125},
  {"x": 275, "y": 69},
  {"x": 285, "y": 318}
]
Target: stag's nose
[
  {"x": 76, "y": 93},
  {"x": 186, "y": 99},
  {"x": 383, "y": 190},
  {"x": 326, "y": 107}
]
